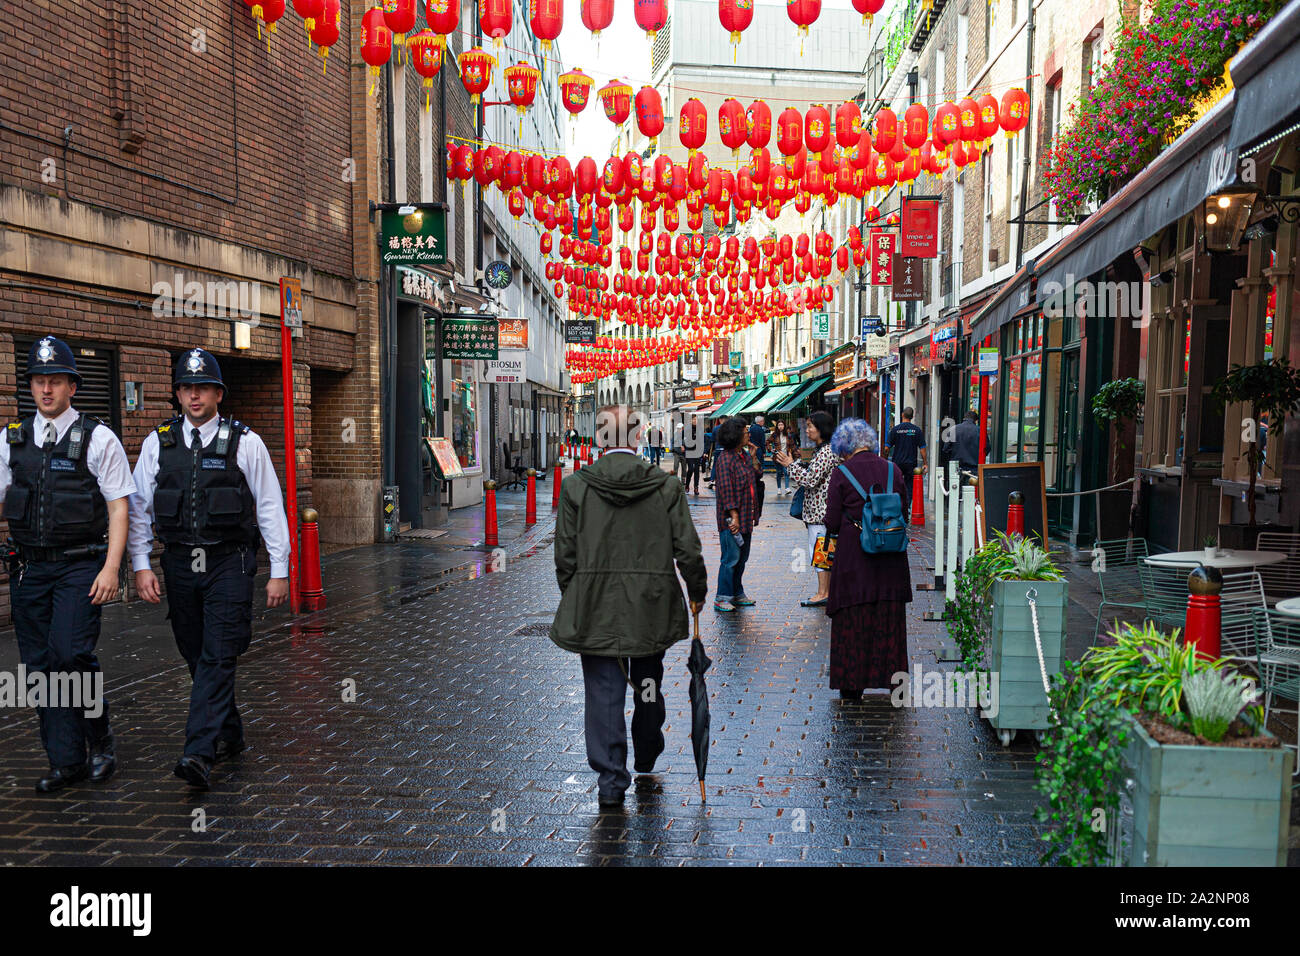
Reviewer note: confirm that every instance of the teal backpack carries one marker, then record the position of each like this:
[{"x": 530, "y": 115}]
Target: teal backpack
[{"x": 883, "y": 529}]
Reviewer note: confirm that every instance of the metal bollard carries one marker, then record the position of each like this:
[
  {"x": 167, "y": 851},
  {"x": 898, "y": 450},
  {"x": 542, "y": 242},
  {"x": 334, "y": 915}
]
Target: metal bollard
[
  {"x": 555, "y": 492},
  {"x": 490, "y": 513},
  {"x": 1204, "y": 622},
  {"x": 530, "y": 502},
  {"x": 918, "y": 498},
  {"x": 313, "y": 595},
  {"x": 1016, "y": 514}
]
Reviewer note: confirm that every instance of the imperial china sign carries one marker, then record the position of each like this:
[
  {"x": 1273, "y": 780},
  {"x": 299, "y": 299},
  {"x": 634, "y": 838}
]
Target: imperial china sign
[{"x": 919, "y": 230}]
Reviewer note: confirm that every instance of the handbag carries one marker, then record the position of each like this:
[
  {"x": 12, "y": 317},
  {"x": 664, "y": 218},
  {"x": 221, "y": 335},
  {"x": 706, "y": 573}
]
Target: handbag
[
  {"x": 796, "y": 504},
  {"x": 883, "y": 530},
  {"x": 824, "y": 552}
]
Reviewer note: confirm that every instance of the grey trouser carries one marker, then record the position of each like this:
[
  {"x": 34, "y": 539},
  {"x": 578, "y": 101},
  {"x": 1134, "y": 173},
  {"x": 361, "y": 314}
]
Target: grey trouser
[{"x": 606, "y": 690}]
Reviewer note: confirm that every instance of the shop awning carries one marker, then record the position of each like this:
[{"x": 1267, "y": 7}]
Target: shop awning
[
  {"x": 709, "y": 411},
  {"x": 805, "y": 389},
  {"x": 848, "y": 386},
  {"x": 773, "y": 397},
  {"x": 754, "y": 400},
  {"x": 1264, "y": 76},
  {"x": 737, "y": 399}
]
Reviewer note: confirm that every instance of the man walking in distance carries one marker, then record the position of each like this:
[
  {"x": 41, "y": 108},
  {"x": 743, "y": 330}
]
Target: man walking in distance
[
  {"x": 65, "y": 481},
  {"x": 693, "y": 449},
  {"x": 206, "y": 483},
  {"x": 621, "y": 607},
  {"x": 906, "y": 441}
]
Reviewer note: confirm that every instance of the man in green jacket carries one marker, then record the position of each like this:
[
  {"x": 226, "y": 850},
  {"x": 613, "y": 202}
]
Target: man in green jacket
[{"x": 622, "y": 523}]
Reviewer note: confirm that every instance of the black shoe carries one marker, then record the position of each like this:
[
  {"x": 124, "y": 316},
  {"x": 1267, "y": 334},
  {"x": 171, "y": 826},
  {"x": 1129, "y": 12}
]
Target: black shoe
[
  {"x": 611, "y": 799},
  {"x": 226, "y": 749},
  {"x": 103, "y": 761},
  {"x": 60, "y": 777},
  {"x": 850, "y": 695},
  {"x": 194, "y": 771}
]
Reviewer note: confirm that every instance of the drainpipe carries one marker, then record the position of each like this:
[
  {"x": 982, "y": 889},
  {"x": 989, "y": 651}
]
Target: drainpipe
[
  {"x": 1029, "y": 135},
  {"x": 388, "y": 323}
]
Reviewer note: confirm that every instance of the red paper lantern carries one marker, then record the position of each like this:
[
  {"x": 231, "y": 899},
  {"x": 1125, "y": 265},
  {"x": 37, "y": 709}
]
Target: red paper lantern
[
  {"x": 848, "y": 124},
  {"x": 495, "y": 18},
  {"x": 426, "y": 49},
  {"x": 612, "y": 177},
  {"x": 1014, "y": 113},
  {"x": 512, "y": 171},
  {"x": 916, "y": 126},
  {"x": 947, "y": 125},
  {"x": 546, "y": 18},
  {"x": 817, "y": 129},
  {"x": 758, "y": 120},
  {"x": 988, "y": 104},
  {"x": 616, "y": 97},
  {"x": 443, "y": 16},
  {"x": 693, "y": 125},
  {"x": 651, "y": 15},
  {"x": 649, "y": 112},
  {"x": 310, "y": 11},
  {"x": 760, "y": 164},
  {"x": 400, "y": 17},
  {"x": 464, "y": 164},
  {"x": 267, "y": 13},
  {"x": 585, "y": 177},
  {"x": 803, "y": 13},
  {"x": 732, "y": 125},
  {"x": 868, "y": 9},
  {"x": 521, "y": 87},
  {"x": 575, "y": 88},
  {"x": 735, "y": 16},
  {"x": 886, "y": 130},
  {"x": 789, "y": 131},
  {"x": 376, "y": 42},
  {"x": 968, "y": 120},
  {"x": 597, "y": 15},
  {"x": 476, "y": 67}
]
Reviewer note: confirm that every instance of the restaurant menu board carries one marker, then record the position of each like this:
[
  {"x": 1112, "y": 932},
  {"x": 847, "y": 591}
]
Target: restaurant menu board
[
  {"x": 445, "y": 461},
  {"x": 469, "y": 338},
  {"x": 996, "y": 482}
]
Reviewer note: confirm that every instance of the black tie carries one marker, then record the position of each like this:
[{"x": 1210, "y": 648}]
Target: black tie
[
  {"x": 195, "y": 442},
  {"x": 49, "y": 434}
]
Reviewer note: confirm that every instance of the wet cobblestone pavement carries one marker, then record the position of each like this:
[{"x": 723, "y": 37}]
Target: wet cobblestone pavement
[{"x": 464, "y": 744}]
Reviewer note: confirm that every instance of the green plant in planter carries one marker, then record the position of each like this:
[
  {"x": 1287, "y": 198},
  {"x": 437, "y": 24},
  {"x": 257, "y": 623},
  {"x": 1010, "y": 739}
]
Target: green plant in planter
[
  {"x": 1116, "y": 403},
  {"x": 1215, "y": 700},
  {"x": 1268, "y": 388}
]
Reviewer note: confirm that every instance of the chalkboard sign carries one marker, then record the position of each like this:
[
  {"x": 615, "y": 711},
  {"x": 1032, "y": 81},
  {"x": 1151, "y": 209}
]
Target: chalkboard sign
[{"x": 998, "y": 481}]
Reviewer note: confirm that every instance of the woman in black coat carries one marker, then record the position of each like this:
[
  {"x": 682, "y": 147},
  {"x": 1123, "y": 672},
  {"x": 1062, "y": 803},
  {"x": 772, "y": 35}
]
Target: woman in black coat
[{"x": 869, "y": 593}]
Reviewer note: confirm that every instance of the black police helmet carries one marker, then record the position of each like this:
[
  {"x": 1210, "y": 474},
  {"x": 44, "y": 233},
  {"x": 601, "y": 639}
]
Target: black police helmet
[
  {"x": 198, "y": 367},
  {"x": 51, "y": 356}
]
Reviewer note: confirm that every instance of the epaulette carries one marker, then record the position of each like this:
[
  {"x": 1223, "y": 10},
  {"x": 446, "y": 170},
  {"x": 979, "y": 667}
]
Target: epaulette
[{"x": 15, "y": 434}]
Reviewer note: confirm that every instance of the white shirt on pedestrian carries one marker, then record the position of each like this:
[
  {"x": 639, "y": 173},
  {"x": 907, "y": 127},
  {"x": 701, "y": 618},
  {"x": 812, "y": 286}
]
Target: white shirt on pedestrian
[
  {"x": 105, "y": 456},
  {"x": 252, "y": 459}
]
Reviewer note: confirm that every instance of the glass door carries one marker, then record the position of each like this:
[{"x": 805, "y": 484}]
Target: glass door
[{"x": 1061, "y": 510}]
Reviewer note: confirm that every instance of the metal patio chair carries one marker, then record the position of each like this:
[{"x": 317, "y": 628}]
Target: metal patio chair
[
  {"x": 1277, "y": 639},
  {"x": 1164, "y": 594},
  {"x": 1240, "y": 601},
  {"x": 1116, "y": 563},
  {"x": 1280, "y": 580}
]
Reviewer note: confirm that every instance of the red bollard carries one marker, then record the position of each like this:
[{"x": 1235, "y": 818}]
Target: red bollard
[
  {"x": 1016, "y": 514},
  {"x": 1204, "y": 613},
  {"x": 918, "y": 499},
  {"x": 577, "y": 463},
  {"x": 586, "y": 451},
  {"x": 555, "y": 492},
  {"x": 313, "y": 595},
  {"x": 530, "y": 502},
  {"x": 490, "y": 513}
]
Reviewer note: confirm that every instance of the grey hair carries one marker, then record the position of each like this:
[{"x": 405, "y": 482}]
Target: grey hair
[{"x": 854, "y": 434}]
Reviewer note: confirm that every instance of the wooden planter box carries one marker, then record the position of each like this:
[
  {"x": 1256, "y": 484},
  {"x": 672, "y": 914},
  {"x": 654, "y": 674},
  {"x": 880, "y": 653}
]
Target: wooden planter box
[
  {"x": 1022, "y": 705},
  {"x": 1207, "y": 806}
]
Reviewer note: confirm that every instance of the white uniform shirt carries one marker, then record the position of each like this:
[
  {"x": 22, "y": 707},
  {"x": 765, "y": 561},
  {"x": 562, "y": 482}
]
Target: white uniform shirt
[
  {"x": 252, "y": 459},
  {"x": 105, "y": 456}
]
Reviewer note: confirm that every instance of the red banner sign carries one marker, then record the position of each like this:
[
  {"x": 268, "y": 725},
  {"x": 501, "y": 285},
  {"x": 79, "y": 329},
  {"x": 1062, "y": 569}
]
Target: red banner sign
[
  {"x": 882, "y": 258},
  {"x": 721, "y": 348},
  {"x": 920, "y": 228}
]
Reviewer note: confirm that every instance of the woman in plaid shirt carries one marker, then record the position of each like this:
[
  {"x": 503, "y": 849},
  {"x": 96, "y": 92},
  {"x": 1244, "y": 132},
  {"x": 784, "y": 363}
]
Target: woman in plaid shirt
[
  {"x": 734, "y": 475},
  {"x": 815, "y": 478}
]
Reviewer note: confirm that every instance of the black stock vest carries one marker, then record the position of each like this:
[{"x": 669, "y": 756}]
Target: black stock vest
[
  {"x": 53, "y": 501},
  {"x": 202, "y": 498}
]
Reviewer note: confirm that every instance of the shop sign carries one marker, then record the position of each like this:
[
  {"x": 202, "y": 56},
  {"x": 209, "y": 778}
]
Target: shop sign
[
  {"x": 692, "y": 366},
  {"x": 908, "y": 282},
  {"x": 704, "y": 393},
  {"x": 989, "y": 361},
  {"x": 782, "y": 378},
  {"x": 683, "y": 393},
  {"x": 419, "y": 238},
  {"x": 919, "y": 229},
  {"x": 821, "y": 326},
  {"x": 466, "y": 337},
  {"x": 417, "y": 285},
  {"x": 888, "y": 361},
  {"x": 943, "y": 333},
  {"x": 498, "y": 274},
  {"x": 723, "y": 390},
  {"x": 580, "y": 332},
  {"x": 509, "y": 368},
  {"x": 721, "y": 347},
  {"x": 872, "y": 325},
  {"x": 843, "y": 369},
  {"x": 512, "y": 334},
  {"x": 882, "y": 258},
  {"x": 736, "y": 359},
  {"x": 875, "y": 346}
]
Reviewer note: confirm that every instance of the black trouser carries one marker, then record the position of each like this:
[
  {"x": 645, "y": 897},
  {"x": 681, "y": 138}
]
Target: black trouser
[
  {"x": 210, "y": 604},
  {"x": 57, "y": 629},
  {"x": 692, "y": 473},
  {"x": 606, "y": 691}
]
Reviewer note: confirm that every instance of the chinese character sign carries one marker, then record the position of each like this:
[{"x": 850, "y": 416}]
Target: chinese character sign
[
  {"x": 919, "y": 232},
  {"x": 882, "y": 258},
  {"x": 908, "y": 282},
  {"x": 469, "y": 338},
  {"x": 419, "y": 238}
]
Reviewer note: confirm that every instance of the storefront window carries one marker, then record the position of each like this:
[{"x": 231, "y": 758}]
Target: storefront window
[
  {"x": 1013, "y": 411},
  {"x": 464, "y": 414},
  {"x": 1032, "y": 406}
]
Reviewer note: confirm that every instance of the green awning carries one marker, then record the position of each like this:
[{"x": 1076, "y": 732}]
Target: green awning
[
  {"x": 737, "y": 398},
  {"x": 755, "y": 400},
  {"x": 801, "y": 392},
  {"x": 774, "y": 397}
]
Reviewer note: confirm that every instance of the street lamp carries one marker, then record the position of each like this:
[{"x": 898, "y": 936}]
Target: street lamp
[{"x": 1223, "y": 216}]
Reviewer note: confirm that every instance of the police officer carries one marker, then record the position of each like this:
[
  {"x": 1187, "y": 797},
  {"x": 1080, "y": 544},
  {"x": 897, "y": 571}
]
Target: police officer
[
  {"x": 206, "y": 484},
  {"x": 65, "y": 482}
]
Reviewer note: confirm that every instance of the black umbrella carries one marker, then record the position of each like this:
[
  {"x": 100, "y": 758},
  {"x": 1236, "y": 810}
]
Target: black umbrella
[{"x": 697, "y": 663}]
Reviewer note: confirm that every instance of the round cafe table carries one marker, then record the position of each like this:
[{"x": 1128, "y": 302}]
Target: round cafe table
[
  {"x": 1289, "y": 606},
  {"x": 1225, "y": 560}
]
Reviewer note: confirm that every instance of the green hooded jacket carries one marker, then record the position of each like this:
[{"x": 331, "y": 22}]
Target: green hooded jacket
[{"x": 621, "y": 525}]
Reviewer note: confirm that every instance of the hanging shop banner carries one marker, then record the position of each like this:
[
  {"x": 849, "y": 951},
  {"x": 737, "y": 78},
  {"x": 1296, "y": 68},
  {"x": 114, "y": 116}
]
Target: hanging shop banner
[
  {"x": 821, "y": 326},
  {"x": 882, "y": 258},
  {"x": 944, "y": 332},
  {"x": 875, "y": 346},
  {"x": 512, "y": 334},
  {"x": 736, "y": 359},
  {"x": 445, "y": 461},
  {"x": 908, "y": 283},
  {"x": 509, "y": 368},
  {"x": 919, "y": 234},
  {"x": 720, "y": 349},
  {"x": 872, "y": 325},
  {"x": 843, "y": 369},
  {"x": 889, "y": 361},
  {"x": 703, "y": 393},
  {"x": 419, "y": 238},
  {"x": 691, "y": 367},
  {"x": 580, "y": 332},
  {"x": 466, "y": 337}
]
